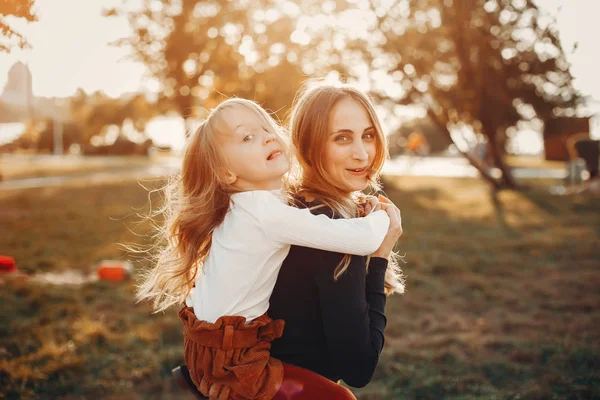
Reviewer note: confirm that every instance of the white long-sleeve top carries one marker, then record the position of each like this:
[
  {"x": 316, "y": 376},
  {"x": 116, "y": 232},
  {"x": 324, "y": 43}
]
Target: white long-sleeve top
[{"x": 248, "y": 248}]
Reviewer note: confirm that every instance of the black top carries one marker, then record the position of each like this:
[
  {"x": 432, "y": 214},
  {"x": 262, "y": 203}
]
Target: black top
[{"x": 334, "y": 328}]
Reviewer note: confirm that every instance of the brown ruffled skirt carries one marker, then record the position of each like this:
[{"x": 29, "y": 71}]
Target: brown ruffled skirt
[{"x": 231, "y": 360}]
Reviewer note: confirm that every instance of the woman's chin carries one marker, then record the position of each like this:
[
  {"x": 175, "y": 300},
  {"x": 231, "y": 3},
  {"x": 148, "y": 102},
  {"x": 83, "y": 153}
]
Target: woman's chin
[{"x": 355, "y": 186}]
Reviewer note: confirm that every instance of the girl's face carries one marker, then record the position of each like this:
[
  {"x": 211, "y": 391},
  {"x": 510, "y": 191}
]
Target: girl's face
[
  {"x": 256, "y": 154},
  {"x": 351, "y": 145}
]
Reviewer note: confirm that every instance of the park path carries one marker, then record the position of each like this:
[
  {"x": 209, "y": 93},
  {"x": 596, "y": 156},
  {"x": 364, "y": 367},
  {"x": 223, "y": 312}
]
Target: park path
[
  {"x": 93, "y": 170},
  {"x": 457, "y": 167}
]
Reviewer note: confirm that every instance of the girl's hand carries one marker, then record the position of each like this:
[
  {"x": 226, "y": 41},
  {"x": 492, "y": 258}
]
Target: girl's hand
[
  {"x": 394, "y": 230},
  {"x": 367, "y": 204}
]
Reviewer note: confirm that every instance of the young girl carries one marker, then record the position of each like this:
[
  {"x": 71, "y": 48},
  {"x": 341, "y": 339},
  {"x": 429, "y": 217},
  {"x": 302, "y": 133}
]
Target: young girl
[{"x": 228, "y": 229}]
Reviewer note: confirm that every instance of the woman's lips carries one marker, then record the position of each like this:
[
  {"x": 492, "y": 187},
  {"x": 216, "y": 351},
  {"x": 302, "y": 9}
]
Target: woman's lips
[{"x": 358, "y": 171}]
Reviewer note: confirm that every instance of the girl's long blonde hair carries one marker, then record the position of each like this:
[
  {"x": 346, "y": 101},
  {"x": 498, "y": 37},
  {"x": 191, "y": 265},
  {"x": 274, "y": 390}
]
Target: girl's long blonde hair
[
  {"x": 308, "y": 127},
  {"x": 195, "y": 203}
]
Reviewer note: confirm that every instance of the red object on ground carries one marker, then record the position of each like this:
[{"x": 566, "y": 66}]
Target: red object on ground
[
  {"x": 114, "y": 270},
  {"x": 7, "y": 264}
]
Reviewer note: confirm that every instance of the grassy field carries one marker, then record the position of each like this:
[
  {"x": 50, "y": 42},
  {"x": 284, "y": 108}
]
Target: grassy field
[{"x": 502, "y": 297}]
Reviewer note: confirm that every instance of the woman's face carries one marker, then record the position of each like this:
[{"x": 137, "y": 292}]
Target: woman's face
[{"x": 350, "y": 146}]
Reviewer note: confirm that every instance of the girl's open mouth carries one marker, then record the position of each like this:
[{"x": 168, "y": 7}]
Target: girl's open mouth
[{"x": 274, "y": 154}]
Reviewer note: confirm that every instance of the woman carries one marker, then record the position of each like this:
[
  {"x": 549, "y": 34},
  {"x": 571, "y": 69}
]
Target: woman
[{"x": 332, "y": 304}]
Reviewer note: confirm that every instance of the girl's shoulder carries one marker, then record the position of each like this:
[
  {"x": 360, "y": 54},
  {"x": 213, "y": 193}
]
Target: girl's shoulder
[
  {"x": 261, "y": 204},
  {"x": 257, "y": 196}
]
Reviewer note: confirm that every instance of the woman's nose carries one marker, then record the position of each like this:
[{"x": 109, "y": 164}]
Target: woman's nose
[{"x": 360, "y": 152}]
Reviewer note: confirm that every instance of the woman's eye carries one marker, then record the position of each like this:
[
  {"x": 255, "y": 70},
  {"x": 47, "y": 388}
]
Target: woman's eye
[
  {"x": 368, "y": 136},
  {"x": 342, "y": 138},
  {"x": 248, "y": 138}
]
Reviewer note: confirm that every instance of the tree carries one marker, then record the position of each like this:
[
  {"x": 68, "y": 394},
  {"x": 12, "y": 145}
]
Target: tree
[
  {"x": 436, "y": 140},
  {"x": 203, "y": 51},
  {"x": 484, "y": 65},
  {"x": 91, "y": 114},
  {"x": 19, "y": 9},
  {"x": 489, "y": 65}
]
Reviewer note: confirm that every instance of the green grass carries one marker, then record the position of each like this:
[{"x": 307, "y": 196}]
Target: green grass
[{"x": 501, "y": 301}]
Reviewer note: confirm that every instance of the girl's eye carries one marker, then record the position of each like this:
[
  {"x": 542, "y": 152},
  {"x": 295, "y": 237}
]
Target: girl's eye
[
  {"x": 368, "y": 136},
  {"x": 342, "y": 138},
  {"x": 248, "y": 138}
]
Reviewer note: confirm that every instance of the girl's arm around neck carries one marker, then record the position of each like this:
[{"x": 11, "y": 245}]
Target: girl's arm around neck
[{"x": 294, "y": 226}]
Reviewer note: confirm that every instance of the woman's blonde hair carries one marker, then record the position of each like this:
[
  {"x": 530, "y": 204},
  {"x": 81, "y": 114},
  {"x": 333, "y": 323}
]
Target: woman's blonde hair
[
  {"x": 195, "y": 203},
  {"x": 308, "y": 125}
]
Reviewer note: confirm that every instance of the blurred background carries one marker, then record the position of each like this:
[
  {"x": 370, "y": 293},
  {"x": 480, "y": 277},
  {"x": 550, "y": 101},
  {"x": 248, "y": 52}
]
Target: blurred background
[{"x": 491, "y": 108}]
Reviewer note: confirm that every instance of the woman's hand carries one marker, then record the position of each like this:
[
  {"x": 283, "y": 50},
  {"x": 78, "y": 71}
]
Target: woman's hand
[{"x": 394, "y": 230}]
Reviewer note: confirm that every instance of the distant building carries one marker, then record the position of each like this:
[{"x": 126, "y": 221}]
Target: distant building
[
  {"x": 556, "y": 133},
  {"x": 595, "y": 126},
  {"x": 18, "y": 90}
]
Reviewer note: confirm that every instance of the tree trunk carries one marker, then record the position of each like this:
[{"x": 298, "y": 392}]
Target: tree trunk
[
  {"x": 507, "y": 179},
  {"x": 497, "y": 184},
  {"x": 485, "y": 174}
]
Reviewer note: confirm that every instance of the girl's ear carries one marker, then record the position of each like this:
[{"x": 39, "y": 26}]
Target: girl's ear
[{"x": 229, "y": 177}]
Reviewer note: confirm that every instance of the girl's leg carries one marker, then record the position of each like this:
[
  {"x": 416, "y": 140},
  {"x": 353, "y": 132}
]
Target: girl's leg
[
  {"x": 298, "y": 384},
  {"x": 181, "y": 375},
  {"x": 302, "y": 384}
]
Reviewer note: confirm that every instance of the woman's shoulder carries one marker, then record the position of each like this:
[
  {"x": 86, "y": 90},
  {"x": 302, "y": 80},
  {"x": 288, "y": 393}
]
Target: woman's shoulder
[{"x": 314, "y": 205}]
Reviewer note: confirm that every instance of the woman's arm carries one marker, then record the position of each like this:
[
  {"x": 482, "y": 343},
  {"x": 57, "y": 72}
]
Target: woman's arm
[
  {"x": 290, "y": 225},
  {"x": 353, "y": 316}
]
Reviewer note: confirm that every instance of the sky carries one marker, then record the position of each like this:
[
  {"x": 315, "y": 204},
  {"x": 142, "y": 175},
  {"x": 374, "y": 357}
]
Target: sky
[
  {"x": 72, "y": 49},
  {"x": 70, "y": 52}
]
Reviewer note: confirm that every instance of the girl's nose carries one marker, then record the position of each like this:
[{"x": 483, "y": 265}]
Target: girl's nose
[{"x": 269, "y": 137}]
